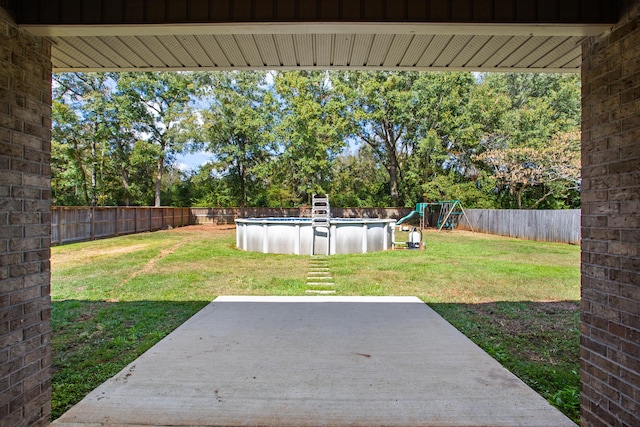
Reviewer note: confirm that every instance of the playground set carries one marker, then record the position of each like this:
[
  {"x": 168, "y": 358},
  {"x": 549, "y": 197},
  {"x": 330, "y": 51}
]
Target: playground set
[{"x": 444, "y": 214}]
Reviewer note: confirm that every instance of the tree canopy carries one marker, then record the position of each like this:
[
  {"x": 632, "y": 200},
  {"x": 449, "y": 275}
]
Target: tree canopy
[{"x": 275, "y": 138}]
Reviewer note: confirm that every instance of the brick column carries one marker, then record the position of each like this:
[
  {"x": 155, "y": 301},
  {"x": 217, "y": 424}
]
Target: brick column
[
  {"x": 610, "y": 325},
  {"x": 25, "y": 224}
]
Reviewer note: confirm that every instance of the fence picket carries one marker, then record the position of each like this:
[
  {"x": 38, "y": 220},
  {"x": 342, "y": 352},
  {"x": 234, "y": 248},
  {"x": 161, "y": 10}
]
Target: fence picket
[
  {"x": 74, "y": 224},
  {"x": 543, "y": 225}
]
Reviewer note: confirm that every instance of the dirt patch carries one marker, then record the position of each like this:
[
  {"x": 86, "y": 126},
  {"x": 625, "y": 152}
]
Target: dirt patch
[
  {"x": 551, "y": 307},
  {"x": 545, "y": 307},
  {"x": 90, "y": 253},
  {"x": 459, "y": 233},
  {"x": 150, "y": 265},
  {"x": 213, "y": 230}
]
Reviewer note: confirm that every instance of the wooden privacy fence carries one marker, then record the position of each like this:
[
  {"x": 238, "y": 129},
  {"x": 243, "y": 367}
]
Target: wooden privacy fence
[
  {"x": 74, "y": 224},
  {"x": 228, "y": 215},
  {"x": 79, "y": 223},
  {"x": 544, "y": 225}
]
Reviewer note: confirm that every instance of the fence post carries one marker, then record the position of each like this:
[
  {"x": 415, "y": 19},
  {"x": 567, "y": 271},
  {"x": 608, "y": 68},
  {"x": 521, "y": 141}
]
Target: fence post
[
  {"x": 60, "y": 237},
  {"x": 92, "y": 225},
  {"x": 117, "y": 232}
]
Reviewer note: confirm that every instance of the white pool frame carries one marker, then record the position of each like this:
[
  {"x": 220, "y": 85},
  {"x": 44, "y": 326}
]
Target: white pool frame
[{"x": 297, "y": 236}]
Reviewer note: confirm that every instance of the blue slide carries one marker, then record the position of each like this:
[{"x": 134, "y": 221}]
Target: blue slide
[{"x": 408, "y": 217}]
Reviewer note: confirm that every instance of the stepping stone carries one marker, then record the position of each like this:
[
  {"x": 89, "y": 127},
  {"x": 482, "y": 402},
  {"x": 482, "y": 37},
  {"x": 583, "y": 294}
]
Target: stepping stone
[{"x": 319, "y": 277}]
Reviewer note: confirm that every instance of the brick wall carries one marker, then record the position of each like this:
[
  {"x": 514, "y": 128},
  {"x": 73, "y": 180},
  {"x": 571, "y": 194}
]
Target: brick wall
[
  {"x": 25, "y": 121},
  {"x": 610, "y": 352}
]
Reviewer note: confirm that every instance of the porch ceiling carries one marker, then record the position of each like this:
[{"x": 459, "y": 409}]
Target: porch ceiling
[{"x": 477, "y": 47}]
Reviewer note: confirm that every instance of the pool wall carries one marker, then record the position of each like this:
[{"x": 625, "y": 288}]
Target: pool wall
[{"x": 297, "y": 236}]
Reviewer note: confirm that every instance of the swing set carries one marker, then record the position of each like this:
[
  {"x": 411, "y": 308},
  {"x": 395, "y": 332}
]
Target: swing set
[{"x": 444, "y": 214}]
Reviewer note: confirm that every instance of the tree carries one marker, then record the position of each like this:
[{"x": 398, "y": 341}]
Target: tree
[
  {"x": 542, "y": 110},
  {"x": 522, "y": 168},
  {"x": 413, "y": 122},
  {"x": 238, "y": 126},
  {"x": 99, "y": 145},
  {"x": 311, "y": 130},
  {"x": 359, "y": 180},
  {"x": 541, "y": 106},
  {"x": 69, "y": 180},
  {"x": 85, "y": 119},
  {"x": 453, "y": 186},
  {"x": 165, "y": 116},
  {"x": 278, "y": 138},
  {"x": 382, "y": 116}
]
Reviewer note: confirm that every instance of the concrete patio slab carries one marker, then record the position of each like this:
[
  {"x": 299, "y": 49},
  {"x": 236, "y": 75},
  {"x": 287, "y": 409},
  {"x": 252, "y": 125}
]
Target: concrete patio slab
[{"x": 314, "y": 361}]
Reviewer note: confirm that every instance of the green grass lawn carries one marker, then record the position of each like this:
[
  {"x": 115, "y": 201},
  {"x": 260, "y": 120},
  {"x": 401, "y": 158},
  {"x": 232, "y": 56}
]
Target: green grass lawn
[{"x": 113, "y": 299}]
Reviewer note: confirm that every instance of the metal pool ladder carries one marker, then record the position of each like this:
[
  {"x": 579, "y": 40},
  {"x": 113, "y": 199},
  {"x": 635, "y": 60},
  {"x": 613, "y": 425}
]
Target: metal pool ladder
[{"x": 320, "y": 218}]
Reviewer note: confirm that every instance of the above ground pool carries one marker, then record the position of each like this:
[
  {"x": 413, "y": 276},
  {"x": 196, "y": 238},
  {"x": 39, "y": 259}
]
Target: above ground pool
[{"x": 298, "y": 236}]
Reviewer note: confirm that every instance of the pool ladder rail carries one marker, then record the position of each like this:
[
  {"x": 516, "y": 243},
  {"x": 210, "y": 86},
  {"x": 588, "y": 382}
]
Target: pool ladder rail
[{"x": 320, "y": 217}]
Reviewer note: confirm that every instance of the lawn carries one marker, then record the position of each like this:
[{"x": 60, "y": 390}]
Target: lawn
[{"x": 113, "y": 299}]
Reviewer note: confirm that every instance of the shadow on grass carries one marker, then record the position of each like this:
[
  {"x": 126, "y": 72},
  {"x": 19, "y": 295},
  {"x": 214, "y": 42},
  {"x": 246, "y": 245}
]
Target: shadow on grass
[
  {"x": 537, "y": 341},
  {"x": 94, "y": 340}
]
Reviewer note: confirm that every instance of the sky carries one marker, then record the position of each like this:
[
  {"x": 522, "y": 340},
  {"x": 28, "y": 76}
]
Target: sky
[{"x": 192, "y": 161}]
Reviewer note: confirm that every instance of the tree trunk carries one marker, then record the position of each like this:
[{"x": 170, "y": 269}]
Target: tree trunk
[
  {"x": 125, "y": 184},
  {"x": 244, "y": 189},
  {"x": 519, "y": 195},
  {"x": 393, "y": 178},
  {"x": 159, "y": 177},
  {"x": 94, "y": 175},
  {"x": 243, "y": 173},
  {"x": 542, "y": 199},
  {"x": 124, "y": 171},
  {"x": 79, "y": 165}
]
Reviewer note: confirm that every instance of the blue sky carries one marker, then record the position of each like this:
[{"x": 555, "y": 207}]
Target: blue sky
[{"x": 192, "y": 161}]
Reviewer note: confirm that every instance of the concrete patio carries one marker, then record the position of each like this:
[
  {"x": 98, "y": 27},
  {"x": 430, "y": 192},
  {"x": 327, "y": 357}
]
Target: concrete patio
[{"x": 314, "y": 361}]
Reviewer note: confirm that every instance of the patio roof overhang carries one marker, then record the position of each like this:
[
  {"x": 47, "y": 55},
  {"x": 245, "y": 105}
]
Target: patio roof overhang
[{"x": 473, "y": 35}]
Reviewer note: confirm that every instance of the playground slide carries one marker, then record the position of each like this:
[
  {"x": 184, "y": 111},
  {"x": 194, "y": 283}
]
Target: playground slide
[{"x": 408, "y": 217}]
